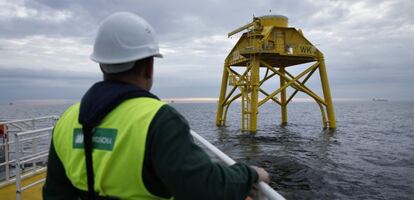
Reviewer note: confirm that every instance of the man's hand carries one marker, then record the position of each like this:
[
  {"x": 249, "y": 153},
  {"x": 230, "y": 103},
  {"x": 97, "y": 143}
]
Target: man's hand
[{"x": 263, "y": 175}]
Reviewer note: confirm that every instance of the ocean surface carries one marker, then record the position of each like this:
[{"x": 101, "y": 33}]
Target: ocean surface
[{"x": 369, "y": 156}]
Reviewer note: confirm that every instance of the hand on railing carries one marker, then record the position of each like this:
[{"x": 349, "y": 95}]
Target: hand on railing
[
  {"x": 265, "y": 191},
  {"x": 263, "y": 176},
  {"x": 262, "y": 173}
]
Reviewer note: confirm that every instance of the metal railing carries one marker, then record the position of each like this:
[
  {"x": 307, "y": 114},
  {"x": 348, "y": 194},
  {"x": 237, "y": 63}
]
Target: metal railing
[
  {"x": 265, "y": 191},
  {"x": 25, "y": 149},
  {"x": 33, "y": 158}
]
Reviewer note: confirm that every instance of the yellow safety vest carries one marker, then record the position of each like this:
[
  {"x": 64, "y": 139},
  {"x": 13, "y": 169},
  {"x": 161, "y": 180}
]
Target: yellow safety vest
[{"x": 118, "y": 148}]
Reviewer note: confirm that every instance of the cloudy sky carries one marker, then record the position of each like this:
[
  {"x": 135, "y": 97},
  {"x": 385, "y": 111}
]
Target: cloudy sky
[{"x": 45, "y": 44}]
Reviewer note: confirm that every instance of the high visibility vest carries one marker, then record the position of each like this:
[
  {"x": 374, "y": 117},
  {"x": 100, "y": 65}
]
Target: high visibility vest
[{"x": 118, "y": 148}]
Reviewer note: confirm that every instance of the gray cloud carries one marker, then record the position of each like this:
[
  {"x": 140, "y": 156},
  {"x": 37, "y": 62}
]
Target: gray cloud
[{"x": 44, "y": 44}]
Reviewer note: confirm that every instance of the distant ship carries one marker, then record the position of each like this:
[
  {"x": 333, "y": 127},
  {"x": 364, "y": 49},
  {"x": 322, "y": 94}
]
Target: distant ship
[
  {"x": 384, "y": 100},
  {"x": 11, "y": 103}
]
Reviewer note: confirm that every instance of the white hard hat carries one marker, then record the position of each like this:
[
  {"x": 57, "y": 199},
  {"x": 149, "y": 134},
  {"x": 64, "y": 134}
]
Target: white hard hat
[{"x": 122, "y": 39}]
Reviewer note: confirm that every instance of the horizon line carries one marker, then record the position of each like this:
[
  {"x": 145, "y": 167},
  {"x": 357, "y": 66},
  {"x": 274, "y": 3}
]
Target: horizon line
[{"x": 174, "y": 100}]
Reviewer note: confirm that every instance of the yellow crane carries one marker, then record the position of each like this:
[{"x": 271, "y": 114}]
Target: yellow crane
[{"x": 269, "y": 44}]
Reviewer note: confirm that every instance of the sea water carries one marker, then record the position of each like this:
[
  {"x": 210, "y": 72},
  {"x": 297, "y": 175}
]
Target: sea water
[{"x": 369, "y": 156}]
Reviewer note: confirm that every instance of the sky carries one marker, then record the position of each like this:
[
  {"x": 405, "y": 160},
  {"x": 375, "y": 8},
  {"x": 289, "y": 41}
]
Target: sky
[{"x": 45, "y": 44}]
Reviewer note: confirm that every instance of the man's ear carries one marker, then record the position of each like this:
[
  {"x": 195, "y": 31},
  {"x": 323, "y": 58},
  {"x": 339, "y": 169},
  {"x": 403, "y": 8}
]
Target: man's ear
[{"x": 149, "y": 70}]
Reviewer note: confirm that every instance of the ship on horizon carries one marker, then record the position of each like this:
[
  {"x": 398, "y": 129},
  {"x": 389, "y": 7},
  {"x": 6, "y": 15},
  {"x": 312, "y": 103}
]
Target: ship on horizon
[{"x": 379, "y": 99}]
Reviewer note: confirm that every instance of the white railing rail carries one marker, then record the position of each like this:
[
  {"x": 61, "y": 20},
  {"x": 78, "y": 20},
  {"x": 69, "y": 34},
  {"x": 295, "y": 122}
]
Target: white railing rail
[
  {"x": 265, "y": 191},
  {"x": 11, "y": 122}
]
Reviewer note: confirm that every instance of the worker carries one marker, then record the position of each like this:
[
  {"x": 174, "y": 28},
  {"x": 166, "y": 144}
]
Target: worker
[{"x": 122, "y": 142}]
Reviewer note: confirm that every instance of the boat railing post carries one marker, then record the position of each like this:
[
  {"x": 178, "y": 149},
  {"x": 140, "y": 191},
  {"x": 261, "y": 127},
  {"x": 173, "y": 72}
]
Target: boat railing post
[
  {"x": 34, "y": 151},
  {"x": 7, "y": 154},
  {"x": 18, "y": 175}
]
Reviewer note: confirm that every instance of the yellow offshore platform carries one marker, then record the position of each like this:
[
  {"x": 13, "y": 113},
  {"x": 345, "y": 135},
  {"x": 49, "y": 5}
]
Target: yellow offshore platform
[{"x": 271, "y": 45}]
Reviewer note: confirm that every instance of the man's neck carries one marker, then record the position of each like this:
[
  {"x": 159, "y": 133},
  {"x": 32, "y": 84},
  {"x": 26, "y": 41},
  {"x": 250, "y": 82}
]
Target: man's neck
[{"x": 143, "y": 84}]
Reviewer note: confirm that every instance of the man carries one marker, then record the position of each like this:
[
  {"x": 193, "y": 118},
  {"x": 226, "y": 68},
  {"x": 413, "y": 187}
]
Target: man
[{"x": 122, "y": 142}]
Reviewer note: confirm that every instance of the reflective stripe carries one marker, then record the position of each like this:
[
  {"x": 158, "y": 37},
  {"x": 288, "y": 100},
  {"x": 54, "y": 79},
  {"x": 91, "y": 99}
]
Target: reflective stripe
[{"x": 119, "y": 148}]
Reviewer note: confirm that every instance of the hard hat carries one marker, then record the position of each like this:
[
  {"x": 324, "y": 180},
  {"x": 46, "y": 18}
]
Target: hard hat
[{"x": 122, "y": 39}]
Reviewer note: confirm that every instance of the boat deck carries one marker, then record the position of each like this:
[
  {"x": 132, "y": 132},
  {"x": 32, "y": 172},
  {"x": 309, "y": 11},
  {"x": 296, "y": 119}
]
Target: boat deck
[{"x": 9, "y": 192}]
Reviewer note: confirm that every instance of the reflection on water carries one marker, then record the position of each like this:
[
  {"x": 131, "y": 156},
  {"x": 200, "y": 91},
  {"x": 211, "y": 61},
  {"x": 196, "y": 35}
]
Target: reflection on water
[{"x": 369, "y": 156}]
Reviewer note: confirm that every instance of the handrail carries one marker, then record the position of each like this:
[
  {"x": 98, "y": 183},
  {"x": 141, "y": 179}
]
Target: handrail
[
  {"x": 31, "y": 119},
  {"x": 21, "y": 160},
  {"x": 262, "y": 186},
  {"x": 34, "y": 131},
  {"x": 18, "y": 135}
]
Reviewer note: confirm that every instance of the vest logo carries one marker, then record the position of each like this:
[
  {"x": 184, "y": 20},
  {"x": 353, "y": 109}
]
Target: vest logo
[{"x": 102, "y": 139}]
